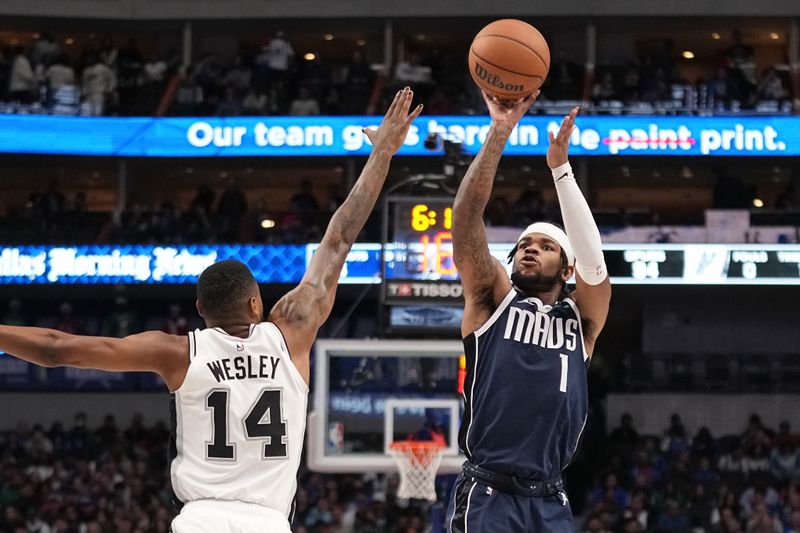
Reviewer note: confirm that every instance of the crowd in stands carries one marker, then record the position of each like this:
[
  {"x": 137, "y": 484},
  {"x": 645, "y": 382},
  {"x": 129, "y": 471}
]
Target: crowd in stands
[
  {"x": 119, "y": 320},
  {"x": 273, "y": 79},
  {"x": 113, "y": 479},
  {"x": 116, "y": 479},
  {"x": 675, "y": 482},
  {"x": 230, "y": 214},
  {"x": 735, "y": 85},
  {"x": 225, "y": 216}
]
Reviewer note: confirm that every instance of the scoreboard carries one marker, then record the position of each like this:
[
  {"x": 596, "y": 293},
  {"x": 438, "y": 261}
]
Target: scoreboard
[{"x": 418, "y": 268}]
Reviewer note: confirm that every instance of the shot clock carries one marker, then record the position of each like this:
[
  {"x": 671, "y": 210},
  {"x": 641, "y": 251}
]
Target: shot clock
[{"x": 422, "y": 238}]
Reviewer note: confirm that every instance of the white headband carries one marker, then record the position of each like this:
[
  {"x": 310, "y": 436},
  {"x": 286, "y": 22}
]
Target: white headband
[{"x": 555, "y": 233}]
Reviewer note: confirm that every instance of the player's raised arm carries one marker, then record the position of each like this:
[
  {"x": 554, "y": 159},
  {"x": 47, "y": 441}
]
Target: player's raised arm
[
  {"x": 153, "y": 351},
  {"x": 593, "y": 288},
  {"x": 484, "y": 279},
  {"x": 301, "y": 312}
]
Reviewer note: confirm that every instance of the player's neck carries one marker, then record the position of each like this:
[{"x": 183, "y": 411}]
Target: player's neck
[
  {"x": 549, "y": 297},
  {"x": 235, "y": 327}
]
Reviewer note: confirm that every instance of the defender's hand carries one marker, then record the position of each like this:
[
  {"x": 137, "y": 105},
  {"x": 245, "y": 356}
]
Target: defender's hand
[
  {"x": 559, "y": 144},
  {"x": 391, "y": 133},
  {"x": 507, "y": 113}
]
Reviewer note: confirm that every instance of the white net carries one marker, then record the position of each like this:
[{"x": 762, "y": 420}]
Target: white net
[{"x": 418, "y": 462}]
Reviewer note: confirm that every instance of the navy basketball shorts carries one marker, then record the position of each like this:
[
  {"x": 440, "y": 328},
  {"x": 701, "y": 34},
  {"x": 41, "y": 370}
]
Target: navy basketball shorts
[{"x": 477, "y": 508}]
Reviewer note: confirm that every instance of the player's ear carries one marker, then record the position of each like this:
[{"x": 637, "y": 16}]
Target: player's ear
[
  {"x": 567, "y": 273},
  {"x": 253, "y": 305},
  {"x": 199, "y": 309}
]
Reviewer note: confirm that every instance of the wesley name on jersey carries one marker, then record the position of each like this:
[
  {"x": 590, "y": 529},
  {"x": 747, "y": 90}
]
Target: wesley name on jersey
[{"x": 244, "y": 367}]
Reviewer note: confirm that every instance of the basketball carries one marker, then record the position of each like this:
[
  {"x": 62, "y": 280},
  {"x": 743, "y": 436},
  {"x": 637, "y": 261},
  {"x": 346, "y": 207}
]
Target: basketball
[{"x": 509, "y": 58}]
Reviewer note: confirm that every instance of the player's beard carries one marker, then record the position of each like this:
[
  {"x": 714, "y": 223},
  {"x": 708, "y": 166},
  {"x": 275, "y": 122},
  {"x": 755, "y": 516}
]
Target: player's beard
[{"x": 535, "y": 283}]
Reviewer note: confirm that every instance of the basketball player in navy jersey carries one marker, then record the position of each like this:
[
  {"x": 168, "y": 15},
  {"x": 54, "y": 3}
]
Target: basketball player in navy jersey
[
  {"x": 528, "y": 342},
  {"x": 240, "y": 386}
]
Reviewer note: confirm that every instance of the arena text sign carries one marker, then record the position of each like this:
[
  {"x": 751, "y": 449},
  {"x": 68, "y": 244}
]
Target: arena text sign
[{"x": 594, "y": 135}]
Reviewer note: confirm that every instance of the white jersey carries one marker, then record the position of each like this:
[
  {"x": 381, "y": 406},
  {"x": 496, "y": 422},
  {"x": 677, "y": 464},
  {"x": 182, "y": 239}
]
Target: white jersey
[{"x": 239, "y": 420}]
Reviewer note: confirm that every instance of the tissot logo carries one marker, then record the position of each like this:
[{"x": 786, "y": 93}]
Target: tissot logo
[{"x": 495, "y": 81}]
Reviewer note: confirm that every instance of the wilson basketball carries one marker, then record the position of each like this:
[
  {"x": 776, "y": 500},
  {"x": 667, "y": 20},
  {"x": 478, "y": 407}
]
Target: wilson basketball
[{"x": 509, "y": 58}]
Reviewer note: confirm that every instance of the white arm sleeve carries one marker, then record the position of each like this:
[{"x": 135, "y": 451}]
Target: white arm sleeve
[{"x": 584, "y": 237}]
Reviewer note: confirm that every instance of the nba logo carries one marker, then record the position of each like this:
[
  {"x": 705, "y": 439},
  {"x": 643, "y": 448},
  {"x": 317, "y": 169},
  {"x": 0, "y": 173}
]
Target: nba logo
[{"x": 335, "y": 442}]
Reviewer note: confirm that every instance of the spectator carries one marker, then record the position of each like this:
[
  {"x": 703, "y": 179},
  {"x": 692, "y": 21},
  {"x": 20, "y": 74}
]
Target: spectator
[
  {"x": 771, "y": 86},
  {"x": 232, "y": 206},
  {"x": 756, "y": 433},
  {"x": 756, "y": 494},
  {"x": 208, "y": 76},
  {"x": 705, "y": 475},
  {"x": 22, "y": 84},
  {"x": 155, "y": 70},
  {"x": 59, "y": 74},
  {"x": 122, "y": 321},
  {"x": 644, "y": 474},
  {"x": 280, "y": 57},
  {"x": 44, "y": 50},
  {"x": 594, "y": 525},
  {"x": 67, "y": 322},
  {"x": 741, "y": 63},
  {"x": 99, "y": 84},
  {"x": 785, "y": 462},
  {"x": 304, "y": 203},
  {"x": 675, "y": 440},
  {"x": 604, "y": 89},
  {"x": 130, "y": 62},
  {"x": 109, "y": 53},
  {"x": 14, "y": 315},
  {"x": 785, "y": 435},
  {"x": 763, "y": 522},
  {"x": 204, "y": 199},
  {"x": 230, "y": 106},
  {"x": 304, "y": 104},
  {"x": 358, "y": 81},
  {"x": 637, "y": 511},
  {"x": 411, "y": 72},
  {"x": 625, "y": 437},
  {"x": 703, "y": 443},
  {"x": 176, "y": 323},
  {"x": 238, "y": 78},
  {"x": 674, "y": 519},
  {"x": 255, "y": 103},
  {"x": 793, "y": 526},
  {"x": 611, "y": 493}
]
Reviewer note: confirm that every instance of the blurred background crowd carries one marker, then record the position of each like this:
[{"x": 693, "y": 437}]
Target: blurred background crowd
[
  {"x": 102, "y": 478},
  {"x": 103, "y": 76}
]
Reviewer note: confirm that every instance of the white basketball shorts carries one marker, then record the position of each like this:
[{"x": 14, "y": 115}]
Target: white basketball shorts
[{"x": 219, "y": 516}]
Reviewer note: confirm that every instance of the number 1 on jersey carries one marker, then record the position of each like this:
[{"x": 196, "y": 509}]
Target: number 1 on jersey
[{"x": 564, "y": 372}]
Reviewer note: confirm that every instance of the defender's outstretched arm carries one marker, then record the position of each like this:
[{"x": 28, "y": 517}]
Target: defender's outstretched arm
[{"x": 301, "y": 312}]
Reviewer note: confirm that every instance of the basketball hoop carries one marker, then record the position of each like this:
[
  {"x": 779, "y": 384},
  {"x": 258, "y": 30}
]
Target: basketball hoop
[{"x": 418, "y": 462}]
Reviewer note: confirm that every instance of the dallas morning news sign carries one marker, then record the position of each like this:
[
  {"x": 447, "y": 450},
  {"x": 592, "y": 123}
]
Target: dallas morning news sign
[
  {"x": 342, "y": 136},
  {"x": 647, "y": 264}
]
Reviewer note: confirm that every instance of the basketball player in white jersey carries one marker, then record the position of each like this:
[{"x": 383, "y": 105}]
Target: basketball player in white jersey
[{"x": 240, "y": 386}]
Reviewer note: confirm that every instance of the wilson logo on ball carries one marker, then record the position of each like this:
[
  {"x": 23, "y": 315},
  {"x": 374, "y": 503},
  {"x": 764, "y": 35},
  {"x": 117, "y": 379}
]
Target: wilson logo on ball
[{"x": 495, "y": 81}]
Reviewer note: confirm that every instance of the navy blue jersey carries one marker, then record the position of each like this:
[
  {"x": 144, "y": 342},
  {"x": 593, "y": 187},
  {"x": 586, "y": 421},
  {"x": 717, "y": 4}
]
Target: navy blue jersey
[{"x": 525, "y": 391}]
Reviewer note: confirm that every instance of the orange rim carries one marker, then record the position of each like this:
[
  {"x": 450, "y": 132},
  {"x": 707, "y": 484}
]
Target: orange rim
[{"x": 409, "y": 445}]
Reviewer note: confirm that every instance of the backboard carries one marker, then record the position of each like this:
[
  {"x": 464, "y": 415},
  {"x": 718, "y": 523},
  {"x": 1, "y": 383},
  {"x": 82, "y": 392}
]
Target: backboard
[{"x": 370, "y": 393}]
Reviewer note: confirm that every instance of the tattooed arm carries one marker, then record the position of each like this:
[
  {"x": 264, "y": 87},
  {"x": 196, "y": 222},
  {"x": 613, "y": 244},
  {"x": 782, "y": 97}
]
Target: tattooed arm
[
  {"x": 301, "y": 312},
  {"x": 484, "y": 278}
]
